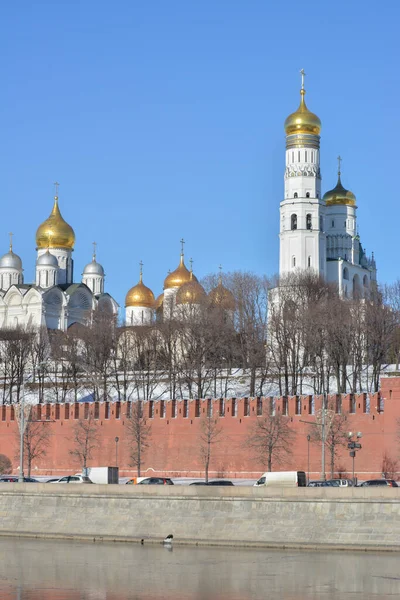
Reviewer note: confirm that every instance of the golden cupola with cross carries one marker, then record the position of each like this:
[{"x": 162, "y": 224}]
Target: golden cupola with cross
[
  {"x": 339, "y": 195},
  {"x": 181, "y": 274},
  {"x": 302, "y": 121},
  {"x": 55, "y": 232}
]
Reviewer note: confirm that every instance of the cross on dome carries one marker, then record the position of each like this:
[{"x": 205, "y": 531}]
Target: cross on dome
[
  {"x": 11, "y": 242},
  {"x": 182, "y": 246},
  {"x": 303, "y": 74},
  {"x": 94, "y": 251},
  {"x": 56, "y": 186},
  {"x": 141, "y": 270},
  {"x": 339, "y": 159}
]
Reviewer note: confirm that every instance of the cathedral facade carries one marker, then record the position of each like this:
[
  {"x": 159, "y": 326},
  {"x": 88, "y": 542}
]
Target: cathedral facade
[
  {"x": 319, "y": 231},
  {"x": 54, "y": 300}
]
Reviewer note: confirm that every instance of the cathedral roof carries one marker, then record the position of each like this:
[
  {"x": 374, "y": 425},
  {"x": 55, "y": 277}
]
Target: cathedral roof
[
  {"x": 190, "y": 292},
  {"x": 178, "y": 277},
  {"x": 302, "y": 120},
  {"x": 54, "y": 232},
  {"x": 140, "y": 294},
  {"x": 339, "y": 195}
]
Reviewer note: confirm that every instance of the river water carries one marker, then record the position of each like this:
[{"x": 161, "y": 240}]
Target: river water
[{"x": 60, "y": 570}]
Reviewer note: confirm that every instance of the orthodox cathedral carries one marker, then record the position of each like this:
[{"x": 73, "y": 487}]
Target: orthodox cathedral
[
  {"x": 319, "y": 231},
  {"x": 53, "y": 300}
]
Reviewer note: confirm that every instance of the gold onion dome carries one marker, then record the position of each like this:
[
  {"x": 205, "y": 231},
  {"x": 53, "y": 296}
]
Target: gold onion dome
[
  {"x": 54, "y": 232},
  {"x": 339, "y": 195},
  {"x": 159, "y": 301},
  {"x": 190, "y": 292},
  {"x": 178, "y": 277},
  {"x": 303, "y": 120},
  {"x": 221, "y": 297},
  {"x": 140, "y": 295}
]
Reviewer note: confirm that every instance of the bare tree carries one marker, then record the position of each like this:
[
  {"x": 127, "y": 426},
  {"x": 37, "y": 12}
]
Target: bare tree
[
  {"x": 85, "y": 440},
  {"x": 36, "y": 441},
  {"x": 5, "y": 465},
  {"x": 138, "y": 434},
  {"x": 390, "y": 467},
  {"x": 210, "y": 434},
  {"x": 271, "y": 439}
]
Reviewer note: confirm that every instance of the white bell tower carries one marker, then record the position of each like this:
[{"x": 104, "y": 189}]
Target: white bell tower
[{"x": 302, "y": 212}]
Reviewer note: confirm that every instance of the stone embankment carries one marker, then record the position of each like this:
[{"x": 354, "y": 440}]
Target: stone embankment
[{"x": 360, "y": 518}]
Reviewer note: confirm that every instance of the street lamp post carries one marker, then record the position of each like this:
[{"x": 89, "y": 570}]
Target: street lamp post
[
  {"x": 308, "y": 458},
  {"x": 116, "y": 450},
  {"x": 353, "y": 446},
  {"x": 22, "y": 430}
]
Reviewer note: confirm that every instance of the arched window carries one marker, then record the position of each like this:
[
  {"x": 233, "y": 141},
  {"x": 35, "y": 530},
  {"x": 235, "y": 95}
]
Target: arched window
[
  {"x": 308, "y": 221},
  {"x": 365, "y": 281},
  {"x": 293, "y": 222},
  {"x": 307, "y": 194},
  {"x": 356, "y": 287},
  {"x": 309, "y": 261},
  {"x": 295, "y": 195},
  {"x": 293, "y": 261},
  {"x": 333, "y": 223},
  {"x": 345, "y": 273}
]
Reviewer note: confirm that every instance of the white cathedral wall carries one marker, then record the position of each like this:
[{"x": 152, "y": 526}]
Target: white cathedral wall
[{"x": 138, "y": 315}]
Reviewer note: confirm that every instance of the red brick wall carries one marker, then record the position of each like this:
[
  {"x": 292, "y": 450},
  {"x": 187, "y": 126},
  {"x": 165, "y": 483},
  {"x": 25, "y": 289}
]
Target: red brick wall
[{"x": 174, "y": 443}]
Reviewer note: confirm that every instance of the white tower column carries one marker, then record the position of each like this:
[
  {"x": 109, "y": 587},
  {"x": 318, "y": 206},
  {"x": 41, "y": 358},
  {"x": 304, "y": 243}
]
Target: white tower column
[{"x": 302, "y": 212}]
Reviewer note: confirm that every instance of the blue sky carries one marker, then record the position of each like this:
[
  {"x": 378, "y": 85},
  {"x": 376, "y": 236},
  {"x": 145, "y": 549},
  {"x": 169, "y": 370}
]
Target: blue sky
[{"x": 165, "y": 119}]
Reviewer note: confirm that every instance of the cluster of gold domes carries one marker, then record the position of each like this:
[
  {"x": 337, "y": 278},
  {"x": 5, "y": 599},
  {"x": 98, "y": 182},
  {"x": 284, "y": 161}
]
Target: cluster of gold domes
[
  {"x": 190, "y": 291},
  {"x": 303, "y": 120},
  {"x": 54, "y": 232},
  {"x": 339, "y": 195}
]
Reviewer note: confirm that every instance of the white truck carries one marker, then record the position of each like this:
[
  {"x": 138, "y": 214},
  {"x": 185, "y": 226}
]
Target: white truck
[
  {"x": 283, "y": 479},
  {"x": 103, "y": 474}
]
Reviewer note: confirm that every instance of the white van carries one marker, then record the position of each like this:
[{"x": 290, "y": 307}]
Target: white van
[{"x": 283, "y": 479}]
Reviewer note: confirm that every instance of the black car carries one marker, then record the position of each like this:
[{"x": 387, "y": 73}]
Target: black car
[
  {"x": 379, "y": 482},
  {"x": 220, "y": 482}
]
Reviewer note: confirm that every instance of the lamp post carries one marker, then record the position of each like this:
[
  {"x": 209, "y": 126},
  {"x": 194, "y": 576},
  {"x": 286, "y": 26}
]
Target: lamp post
[
  {"x": 116, "y": 450},
  {"x": 353, "y": 446},
  {"x": 22, "y": 430},
  {"x": 308, "y": 458}
]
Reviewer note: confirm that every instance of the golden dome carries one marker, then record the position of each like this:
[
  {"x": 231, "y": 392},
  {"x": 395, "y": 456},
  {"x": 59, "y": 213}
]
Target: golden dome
[
  {"x": 339, "y": 194},
  {"x": 303, "y": 120},
  {"x": 54, "y": 232},
  {"x": 221, "y": 297},
  {"x": 140, "y": 295},
  {"x": 178, "y": 277},
  {"x": 159, "y": 301},
  {"x": 191, "y": 292}
]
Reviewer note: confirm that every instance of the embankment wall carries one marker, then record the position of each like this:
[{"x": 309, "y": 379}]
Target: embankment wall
[{"x": 358, "y": 518}]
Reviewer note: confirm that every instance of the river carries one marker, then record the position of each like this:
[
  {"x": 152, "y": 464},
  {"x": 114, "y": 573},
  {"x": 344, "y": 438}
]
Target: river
[{"x": 62, "y": 570}]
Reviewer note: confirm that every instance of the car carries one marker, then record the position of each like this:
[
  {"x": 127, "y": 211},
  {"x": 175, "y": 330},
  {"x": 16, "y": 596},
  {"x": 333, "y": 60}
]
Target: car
[
  {"x": 342, "y": 482},
  {"x": 320, "y": 483},
  {"x": 198, "y": 483},
  {"x": 72, "y": 479},
  {"x": 379, "y": 482},
  {"x": 220, "y": 482},
  {"x": 156, "y": 481},
  {"x": 14, "y": 479}
]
